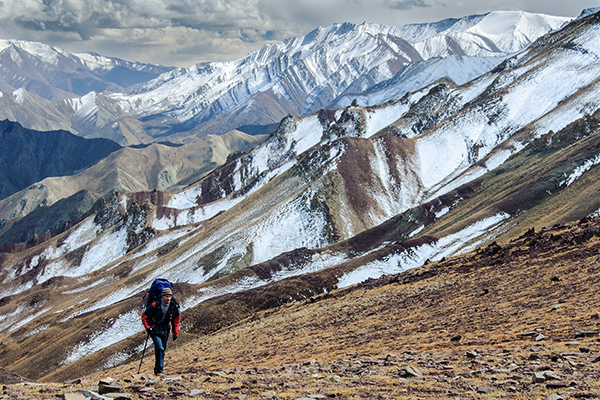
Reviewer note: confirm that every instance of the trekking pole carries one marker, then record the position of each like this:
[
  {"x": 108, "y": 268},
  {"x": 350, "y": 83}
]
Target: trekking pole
[{"x": 143, "y": 352}]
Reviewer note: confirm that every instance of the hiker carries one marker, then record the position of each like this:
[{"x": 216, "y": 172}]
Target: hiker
[{"x": 160, "y": 317}]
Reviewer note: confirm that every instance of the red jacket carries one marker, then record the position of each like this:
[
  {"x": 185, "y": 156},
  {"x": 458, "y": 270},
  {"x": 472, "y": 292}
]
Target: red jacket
[{"x": 152, "y": 318}]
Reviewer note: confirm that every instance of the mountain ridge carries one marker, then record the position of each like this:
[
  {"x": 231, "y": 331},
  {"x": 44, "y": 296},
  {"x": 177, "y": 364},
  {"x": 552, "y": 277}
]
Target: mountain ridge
[
  {"x": 154, "y": 167},
  {"x": 29, "y": 156}
]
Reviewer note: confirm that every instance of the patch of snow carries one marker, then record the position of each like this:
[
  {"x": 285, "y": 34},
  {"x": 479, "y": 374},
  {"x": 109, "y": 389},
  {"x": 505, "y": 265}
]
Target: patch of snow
[
  {"x": 580, "y": 171},
  {"x": 126, "y": 325},
  {"x": 381, "y": 117},
  {"x": 415, "y": 257},
  {"x": 416, "y": 231},
  {"x": 37, "y": 330},
  {"x": 102, "y": 252},
  {"x": 186, "y": 198},
  {"x": 595, "y": 214},
  {"x": 19, "y": 96},
  {"x": 294, "y": 226},
  {"x": 12, "y": 321},
  {"x": 442, "y": 212},
  {"x": 307, "y": 134}
]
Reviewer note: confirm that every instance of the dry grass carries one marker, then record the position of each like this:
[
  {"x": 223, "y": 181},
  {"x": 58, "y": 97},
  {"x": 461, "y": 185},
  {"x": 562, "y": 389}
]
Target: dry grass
[{"x": 356, "y": 343}]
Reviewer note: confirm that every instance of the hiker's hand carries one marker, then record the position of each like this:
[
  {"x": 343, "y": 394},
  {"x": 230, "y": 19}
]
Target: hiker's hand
[
  {"x": 175, "y": 337},
  {"x": 149, "y": 331}
]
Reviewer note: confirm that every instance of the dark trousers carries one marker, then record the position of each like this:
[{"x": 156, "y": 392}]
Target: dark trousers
[{"x": 160, "y": 346}]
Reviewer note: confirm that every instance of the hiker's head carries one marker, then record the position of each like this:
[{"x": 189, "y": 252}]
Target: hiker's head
[{"x": 167, "y": 295}]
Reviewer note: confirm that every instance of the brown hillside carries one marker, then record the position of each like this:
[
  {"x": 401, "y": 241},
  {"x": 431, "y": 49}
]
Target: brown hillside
[{"x": 515, "y": 320}]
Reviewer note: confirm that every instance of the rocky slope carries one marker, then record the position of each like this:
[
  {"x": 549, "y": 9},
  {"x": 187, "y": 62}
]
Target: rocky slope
[{"x": 515, "y": 319}]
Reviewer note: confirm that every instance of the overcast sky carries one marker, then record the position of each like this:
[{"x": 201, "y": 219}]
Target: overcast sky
[{"x": 184, "y": 32}]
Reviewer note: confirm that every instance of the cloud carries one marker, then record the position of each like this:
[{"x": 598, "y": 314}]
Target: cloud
[{"x": 405, "y": 4}]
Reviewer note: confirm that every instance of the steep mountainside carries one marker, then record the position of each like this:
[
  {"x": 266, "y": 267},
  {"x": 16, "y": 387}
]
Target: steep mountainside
[
  {"x": 330, "y": 65},
  {"x": 516, "y": 319},
  {"x": 145, "y": 168},
  {"x": 28, "y": 156},
  {"x": 329, "y": 200}
]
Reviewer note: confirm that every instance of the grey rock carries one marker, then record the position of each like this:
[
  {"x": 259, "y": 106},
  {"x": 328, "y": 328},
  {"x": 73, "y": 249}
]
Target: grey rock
[
  {"x": 94, "y": 395},
  {"x": 556, "y": 396},
  {"x": 412, "y": 372},
  {"x": 551, "y": 375},
  {"x": 196, "y": 392},
  {"x": 172, "y": 378},
  {"x": 145, "y": 377},
  {"x": 540, "y": 337},
  {"x": 538, "y": 377},
  {"x": 104, "y": 388},
  {"x": 581, "y": 334},
  {"x": 485, "y": 390},
  {"x": 73, "y": 396},
  {"x": 118, "y": 396}
]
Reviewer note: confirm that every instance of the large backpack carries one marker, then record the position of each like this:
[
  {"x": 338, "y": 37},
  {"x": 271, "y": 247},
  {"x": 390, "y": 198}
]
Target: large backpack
[{"x": 156, "y": 289}]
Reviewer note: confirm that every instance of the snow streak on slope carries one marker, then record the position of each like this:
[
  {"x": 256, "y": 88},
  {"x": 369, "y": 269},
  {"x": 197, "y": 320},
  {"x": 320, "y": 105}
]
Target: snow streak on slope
[
  {"x": 415, "y": 257},
  {"x": 126, "y": 325}
]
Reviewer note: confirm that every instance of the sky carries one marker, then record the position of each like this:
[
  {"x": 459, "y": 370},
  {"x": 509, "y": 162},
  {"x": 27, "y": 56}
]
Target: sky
[{"x": 184, "y": 32}]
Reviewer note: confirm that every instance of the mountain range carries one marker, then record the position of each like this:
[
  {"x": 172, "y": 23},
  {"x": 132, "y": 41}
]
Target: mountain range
[
  {"x": 328, "y": 66},
  {"x": 295, "y": 77},
  {"x": 333, "y": 196}
]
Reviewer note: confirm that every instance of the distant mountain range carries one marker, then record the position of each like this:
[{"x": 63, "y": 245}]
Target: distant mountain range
[
  {"x": 28, "y": 156},
  {"x": 326, "y": 68},
  {"x": 53, "y": 73},
  {"x": 331, "y": 198}
]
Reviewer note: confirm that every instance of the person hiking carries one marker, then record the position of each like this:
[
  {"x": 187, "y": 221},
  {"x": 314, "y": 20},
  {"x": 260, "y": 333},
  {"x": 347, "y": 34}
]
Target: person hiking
[{"x": 160, "y": 317}]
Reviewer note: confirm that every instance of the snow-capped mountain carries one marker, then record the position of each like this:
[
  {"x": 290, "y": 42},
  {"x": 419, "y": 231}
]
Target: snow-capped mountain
[
  {"x": 330, "y": 199},
  {"x": 53, "y": 73},
  {"x": 328, "y": 67},
  {"x": 310, "y": 72}
]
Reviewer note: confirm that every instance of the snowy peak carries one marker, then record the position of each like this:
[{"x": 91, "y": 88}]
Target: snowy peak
[
  {"x": 311, "y": 71},
  {"x": 327, "y": 68},
  {"x": 54, "y": 73}
]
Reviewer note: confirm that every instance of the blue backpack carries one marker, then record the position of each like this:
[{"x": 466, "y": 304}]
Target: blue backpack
[{"x": 156, "y": 289}]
